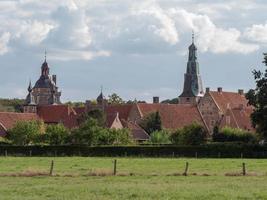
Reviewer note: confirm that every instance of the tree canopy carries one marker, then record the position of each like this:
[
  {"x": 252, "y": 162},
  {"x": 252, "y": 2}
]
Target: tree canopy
[
  {"x": 258, "y": 99},
  {"x": 152, "y": 123},
  {"x": 115, "y": 99}
]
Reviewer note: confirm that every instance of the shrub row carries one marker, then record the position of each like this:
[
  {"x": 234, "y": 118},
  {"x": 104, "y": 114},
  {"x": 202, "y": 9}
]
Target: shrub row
[{"x": 207, "y": 150}]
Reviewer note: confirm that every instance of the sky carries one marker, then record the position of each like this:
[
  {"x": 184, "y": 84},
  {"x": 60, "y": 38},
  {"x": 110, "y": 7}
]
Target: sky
[{"x": 135, "y": 48}]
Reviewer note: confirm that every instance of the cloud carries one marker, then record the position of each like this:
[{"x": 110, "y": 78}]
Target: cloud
[
  {"x": 66, "y": 55},
  {"x": 209, "y": 36},
  {"x": 72, "y": 29},
  {"x": 165, "y": 26},
  {"x": 257, "y": 32},
  {"x": 4, "y": 39},
  {"x": 34, "y": 32},
  {"x": 124, "y": 27}
]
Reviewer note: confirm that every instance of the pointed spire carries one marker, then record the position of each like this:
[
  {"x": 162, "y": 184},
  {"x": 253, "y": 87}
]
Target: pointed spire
[
  {"x": 193, "y": 36},
  {"x": 45, "y": 55},
  {"x": 30, "y": 86}
]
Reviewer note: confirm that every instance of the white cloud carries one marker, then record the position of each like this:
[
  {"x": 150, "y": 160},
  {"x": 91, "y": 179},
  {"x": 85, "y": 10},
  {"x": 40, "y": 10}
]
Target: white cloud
[
  {"x": 34, "y": 32},
  {"x": 257, "y": 32},
  {"x": 4, "y": 39},
  {"x": 209, "y": 36},
  {"x": 66, "y": 55},
  {"x": 166, "y": 26}
]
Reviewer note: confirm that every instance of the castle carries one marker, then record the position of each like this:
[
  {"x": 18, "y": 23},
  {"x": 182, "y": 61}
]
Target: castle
[{"x": 210, "y": 108}]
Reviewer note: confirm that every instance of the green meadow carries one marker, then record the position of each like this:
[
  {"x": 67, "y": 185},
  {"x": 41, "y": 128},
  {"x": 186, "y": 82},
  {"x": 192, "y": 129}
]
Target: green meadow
[{"x": 137, "y": 178}]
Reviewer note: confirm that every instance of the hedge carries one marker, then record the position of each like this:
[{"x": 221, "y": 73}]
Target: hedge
[{"x": 202, "y": 151}]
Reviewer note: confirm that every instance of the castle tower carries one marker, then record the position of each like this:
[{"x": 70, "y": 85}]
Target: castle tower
[
  {"x": 193, "y": 89},
  {"x": 45, "y": 90}
]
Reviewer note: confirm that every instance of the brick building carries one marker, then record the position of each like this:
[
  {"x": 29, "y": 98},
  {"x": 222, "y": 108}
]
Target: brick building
[{"x": 211, "y": 108}]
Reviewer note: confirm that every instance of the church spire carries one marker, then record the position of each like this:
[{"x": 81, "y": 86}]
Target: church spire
[
  {"x": 192, "y": 80},
  {"x": 45, "y": 56},
  {"x": 193, "y": 36}
]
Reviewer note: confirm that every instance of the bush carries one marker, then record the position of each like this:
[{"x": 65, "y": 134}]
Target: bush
[
  {"x": 90, "y": 133},
  {"x": 193, "y": 134},
  {"x": 87, "y": 133},
  {"x": 160, "y": 137},
  {"x": 116, "y": 137},
  {"x": 228, "y": 134},
  {"x": 57, "y": 134},
  {"x": 24, "y": 132}
]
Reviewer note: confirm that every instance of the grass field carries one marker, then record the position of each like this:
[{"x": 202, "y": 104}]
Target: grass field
[{"x": 137, "y": 178}]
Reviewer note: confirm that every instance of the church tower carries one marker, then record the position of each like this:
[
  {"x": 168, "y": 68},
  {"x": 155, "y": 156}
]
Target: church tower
[
  {"x": 193, "y": 89},
  {"x": 45, "y": 90}
]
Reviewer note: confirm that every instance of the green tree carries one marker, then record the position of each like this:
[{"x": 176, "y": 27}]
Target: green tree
[
  {"x": 151, "y": 123},
  {"x": 160, "y": 137},
  {"x": 115, "y": 99},
  {"x": 24, "y": 132},
  {"x": 114, "y": 137},
  {"x": 193, "y": 134},
  {"x": 171, "y": 101},
  {"x": 57, "y": 134},
  {"x": 87, "y": 133},
  {"x": 258, "y": 99},
  {"x": 96, "y": 114}
]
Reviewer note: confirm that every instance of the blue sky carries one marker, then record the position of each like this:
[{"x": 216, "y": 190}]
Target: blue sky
[{"x": 137, "y": 49}]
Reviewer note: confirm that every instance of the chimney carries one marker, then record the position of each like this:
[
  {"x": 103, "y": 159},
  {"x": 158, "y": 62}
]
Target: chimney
[
  {"x": 54, "y": 78},
  {"x": 219, "y": 89},
  {"x": 155, "y": 99},
  {"x": 207, "y": 89},
  {"x": 241, "y": 92}
]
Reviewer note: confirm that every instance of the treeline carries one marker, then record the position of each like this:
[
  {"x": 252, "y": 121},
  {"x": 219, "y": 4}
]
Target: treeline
[
  {"x": 89, "y": 133},
  {"x": 11, "y": 105}
]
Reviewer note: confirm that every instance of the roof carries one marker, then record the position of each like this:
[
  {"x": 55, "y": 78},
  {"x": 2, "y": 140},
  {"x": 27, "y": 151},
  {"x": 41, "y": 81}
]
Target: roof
[
  {"x": 113, "y": 120},
  {"x": 137, "y": 132},
  {"x": 123, "y": 110},
  {"x": 239, "y": 118},
  {"x": 9, "y": 119},
  {"x": 44, "y": 82},
  {"x": 173, "y": 116},
  {"x": 235, "y": 106},
  {"x": 79, "y": 110},
  {"x": 228, "y": 99},
  {"x": 58, "y": 114}
]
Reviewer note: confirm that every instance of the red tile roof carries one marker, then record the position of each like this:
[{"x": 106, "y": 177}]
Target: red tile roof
[
  {"x": 9, "y": 119},
  {"x": 231, "y": 99},
  {"x": 173, "y": 116},
  {"x": 234, "y": 106},
  {"x": 123, "y": 110},
  {"x": 79, "y": 110},
  {"x": 138, "y": 133},
  {"x": 58, "y": 114}
]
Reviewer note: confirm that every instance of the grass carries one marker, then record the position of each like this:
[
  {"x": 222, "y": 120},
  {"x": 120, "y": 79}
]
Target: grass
[{"x": 138, "y": 178}]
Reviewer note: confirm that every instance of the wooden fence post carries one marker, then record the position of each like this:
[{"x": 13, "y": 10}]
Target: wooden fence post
[
  {"x": 244, "y": 169},
  {"x": 5, "y": 153},
  {"x": 186, "y": 169},
  {"x": 196, "y": 154},
  {"x": 219, "y": 155},
  {"x": 115, "y": 167},
  {"x": 241, "y": 155},
  {"x": 30, "y": 153},
  {"x": 51, "y": 168}
]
